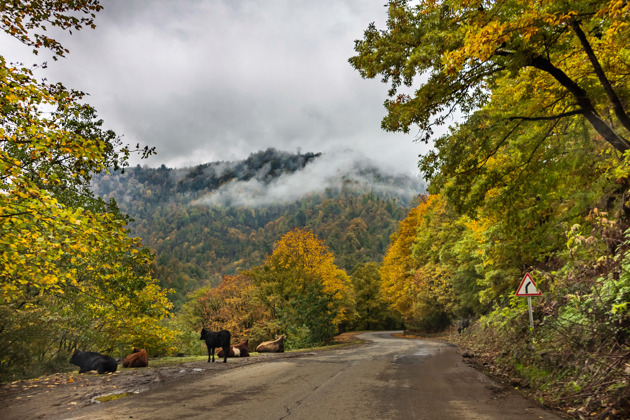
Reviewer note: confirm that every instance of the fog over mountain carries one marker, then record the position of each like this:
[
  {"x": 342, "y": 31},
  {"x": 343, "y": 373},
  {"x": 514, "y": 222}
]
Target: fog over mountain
[
  {"x": 265, "y": 178},
  {"x": 349, "y": 170},
  {"x": 215, "y": 219}
]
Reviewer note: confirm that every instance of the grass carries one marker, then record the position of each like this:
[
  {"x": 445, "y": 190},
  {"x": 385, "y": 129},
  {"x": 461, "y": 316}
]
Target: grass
[
  {"x": 340, "y": 341},
  {"x": 112, "y": 397},
  {"x": 172, "y": 360}
]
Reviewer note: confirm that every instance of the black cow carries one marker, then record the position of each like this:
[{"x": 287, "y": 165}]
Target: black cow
[
  {"x": 463, "y": 324},
  {"x": 89, "y": 360},
  {"x": 215, "y": 340}
]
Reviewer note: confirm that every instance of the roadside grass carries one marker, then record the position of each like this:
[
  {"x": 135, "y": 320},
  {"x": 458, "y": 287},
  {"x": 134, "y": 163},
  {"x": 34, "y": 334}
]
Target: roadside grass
[
  {"x": 173, "y": 360},
  {"x": 584, "y": 378},
  {"x": 340, "y": 341},
  {"x": 67, "y": 370}
]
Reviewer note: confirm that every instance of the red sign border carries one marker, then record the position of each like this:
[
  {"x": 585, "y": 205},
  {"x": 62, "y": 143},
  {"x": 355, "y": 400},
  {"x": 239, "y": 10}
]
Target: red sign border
[{"x": 527, "y": 277}]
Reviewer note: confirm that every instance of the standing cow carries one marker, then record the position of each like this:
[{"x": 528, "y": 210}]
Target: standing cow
[
  {"x": 215, "y": 340},
  {"x": 89, "y": 360}
]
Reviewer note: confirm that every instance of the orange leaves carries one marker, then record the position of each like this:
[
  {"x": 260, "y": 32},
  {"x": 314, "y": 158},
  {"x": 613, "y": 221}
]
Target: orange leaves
[
  {"x": 301, "y": 251},
  {"x": 232, "y": 305},
  {"x": 397, "y": 286}
]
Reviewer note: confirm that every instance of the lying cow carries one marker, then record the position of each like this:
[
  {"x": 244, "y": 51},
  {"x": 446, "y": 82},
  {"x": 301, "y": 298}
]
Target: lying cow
[
  {"x": 216, "y": 339},
  {"x": 275, "y": 346},
  {"x": 89, "y": 360},
  {"x": 139, "y": 358},
  {"x": 239, "y": 350}
]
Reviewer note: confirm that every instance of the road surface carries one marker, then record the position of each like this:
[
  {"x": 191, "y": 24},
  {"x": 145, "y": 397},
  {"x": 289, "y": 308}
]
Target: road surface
[{"x": 387, "y": 378}]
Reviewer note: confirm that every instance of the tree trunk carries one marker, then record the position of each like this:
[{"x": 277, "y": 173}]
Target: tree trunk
[
  {"x": 583, "y": 101},
  {"x": 620, "y": 112}
]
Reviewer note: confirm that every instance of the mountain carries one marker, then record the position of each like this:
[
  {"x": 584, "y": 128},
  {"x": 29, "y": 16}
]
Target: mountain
[{"x": 218, "y": 218}]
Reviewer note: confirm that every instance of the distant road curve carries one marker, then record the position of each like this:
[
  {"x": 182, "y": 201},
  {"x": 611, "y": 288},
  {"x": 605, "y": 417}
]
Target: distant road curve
[{"x": 387, "y": 378}]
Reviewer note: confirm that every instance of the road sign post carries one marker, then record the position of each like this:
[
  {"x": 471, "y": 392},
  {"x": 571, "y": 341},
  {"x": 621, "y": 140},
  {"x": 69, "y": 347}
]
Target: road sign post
[{"x": 528, "y": 288}]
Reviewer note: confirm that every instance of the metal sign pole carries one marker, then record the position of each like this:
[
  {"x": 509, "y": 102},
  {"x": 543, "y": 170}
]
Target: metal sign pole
[{"x": 528, "y": 288}]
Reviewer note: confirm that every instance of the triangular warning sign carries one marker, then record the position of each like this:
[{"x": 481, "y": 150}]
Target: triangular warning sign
[{"x": 528, "y": 287}]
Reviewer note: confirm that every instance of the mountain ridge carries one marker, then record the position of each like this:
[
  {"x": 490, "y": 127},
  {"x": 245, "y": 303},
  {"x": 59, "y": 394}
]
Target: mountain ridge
[{"x": 218, "y": 218}]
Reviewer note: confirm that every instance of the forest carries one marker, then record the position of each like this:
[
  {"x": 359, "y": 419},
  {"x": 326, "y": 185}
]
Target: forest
[
  {"x": 532, "y": 177},
  {"x": 198, "y": 241}
]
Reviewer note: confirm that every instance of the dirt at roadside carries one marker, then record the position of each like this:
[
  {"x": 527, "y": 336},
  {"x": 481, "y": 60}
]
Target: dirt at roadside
[{"x": 63, "y": 394}]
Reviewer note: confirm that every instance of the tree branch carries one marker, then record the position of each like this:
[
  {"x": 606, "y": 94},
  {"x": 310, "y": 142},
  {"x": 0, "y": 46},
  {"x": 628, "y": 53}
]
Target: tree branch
[
  {"x": 583, "y": 101},
  {"x": 610, "y": 92},
  {"x": 551, "y": 117}
]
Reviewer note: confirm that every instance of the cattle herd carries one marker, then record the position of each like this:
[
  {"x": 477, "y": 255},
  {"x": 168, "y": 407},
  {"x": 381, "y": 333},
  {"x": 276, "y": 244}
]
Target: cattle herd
[{"x": 219, "y": 340}]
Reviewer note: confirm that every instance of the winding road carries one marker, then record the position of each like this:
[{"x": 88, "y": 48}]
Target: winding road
[{"x": 387, "y": 378}]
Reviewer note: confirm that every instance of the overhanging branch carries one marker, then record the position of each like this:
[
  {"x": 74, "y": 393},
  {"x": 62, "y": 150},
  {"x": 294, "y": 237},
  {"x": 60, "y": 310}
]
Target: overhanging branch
[
  {"x": 599, "y": 71},
  {"x": 550, "y": 117}
]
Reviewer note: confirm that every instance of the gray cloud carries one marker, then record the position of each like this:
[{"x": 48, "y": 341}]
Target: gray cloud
[
  {"x": 217, "y": 80},
  {"x": 348, "y": 168}
]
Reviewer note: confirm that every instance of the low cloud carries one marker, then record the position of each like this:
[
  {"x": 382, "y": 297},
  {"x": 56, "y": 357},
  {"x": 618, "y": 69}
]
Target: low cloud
[{"x": 347, "y": 169}]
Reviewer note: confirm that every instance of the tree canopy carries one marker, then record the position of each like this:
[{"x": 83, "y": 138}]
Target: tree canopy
[
  {"x": 305, "y": 292},
  {"x": 67, "y": 265},
  {"x": 567, "y": 59},
  {"x": 533, "y": 178}
]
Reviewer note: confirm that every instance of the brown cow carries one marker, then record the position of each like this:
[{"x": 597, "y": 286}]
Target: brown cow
[
  {"x": 139, "y": 358},
  {"x": 239, "y": 350},
  {"x": 275, "y": 346}
]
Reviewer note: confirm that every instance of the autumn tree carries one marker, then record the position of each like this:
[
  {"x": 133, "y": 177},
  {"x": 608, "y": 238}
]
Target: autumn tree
[
  {"x": 397, "y": 286},
  {"x": 65, "y": 256},
  {"x": 569, "y": 55},
  {"x": 233, "y": 305},
  {"x": 542, "y": 92},
  {"x": 531, "y": 179},
  {"x": 303, "y": 288},
  {"x": 372, "y": 310}
]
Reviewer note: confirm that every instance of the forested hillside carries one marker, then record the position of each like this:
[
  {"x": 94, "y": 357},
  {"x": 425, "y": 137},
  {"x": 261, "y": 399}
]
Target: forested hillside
[
  {"x": 534, "y": 179},
  {"x": 215, "y": 219}
]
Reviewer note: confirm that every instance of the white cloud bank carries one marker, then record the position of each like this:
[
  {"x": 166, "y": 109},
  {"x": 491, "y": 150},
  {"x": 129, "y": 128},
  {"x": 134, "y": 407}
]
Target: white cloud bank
[{"x": 349, "y": 169}]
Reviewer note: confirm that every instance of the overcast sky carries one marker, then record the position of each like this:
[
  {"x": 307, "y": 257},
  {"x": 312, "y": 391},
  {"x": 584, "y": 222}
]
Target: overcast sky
[{"x": 216, "y": 80}]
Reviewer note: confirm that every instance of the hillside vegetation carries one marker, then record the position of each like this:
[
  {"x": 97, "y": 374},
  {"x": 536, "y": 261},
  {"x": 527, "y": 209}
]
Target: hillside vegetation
[
  {"x": 533, "y": 179},
  {"x": 212, "y": 220}
]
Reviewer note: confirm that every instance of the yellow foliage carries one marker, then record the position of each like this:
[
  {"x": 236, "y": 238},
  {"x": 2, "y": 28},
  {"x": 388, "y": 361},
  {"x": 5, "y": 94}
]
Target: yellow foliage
[
  {"x": 306, "y": 257},
  {"x": 398, "y": 287}
]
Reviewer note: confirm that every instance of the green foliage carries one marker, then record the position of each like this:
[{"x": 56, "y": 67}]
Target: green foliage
[
  {"x": 531, "y": 179},
  {"x": 71, "y": 277},
  {"x": 299, "y": 337},
  {"x": 372, "y": 311},
  {"x": 303, "y": 290},
  {"x": 561, "y": 59},
  {"x": 198, "y": 242}
]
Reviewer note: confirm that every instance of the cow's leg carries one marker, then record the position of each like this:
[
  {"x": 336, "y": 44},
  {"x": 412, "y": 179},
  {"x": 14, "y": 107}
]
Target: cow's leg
[{"x": 226, "y": 351}]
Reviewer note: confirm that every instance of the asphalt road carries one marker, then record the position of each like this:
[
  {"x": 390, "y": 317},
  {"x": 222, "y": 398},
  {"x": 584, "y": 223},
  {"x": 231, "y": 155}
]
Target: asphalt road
[{"x": 388, "y": 378}]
